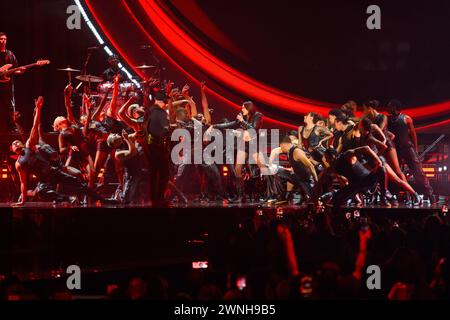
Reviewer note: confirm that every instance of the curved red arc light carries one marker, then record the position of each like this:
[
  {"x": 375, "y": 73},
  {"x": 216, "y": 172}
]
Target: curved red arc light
[
  {"x": 221, "y": 71},
  {"x": 434, "y": 125},
  {"x": 169, "y": 58},
  {"x": 242, "y": 83},
  {"x": 416, "y": 113},
  {"x": 188, "y": 75}
]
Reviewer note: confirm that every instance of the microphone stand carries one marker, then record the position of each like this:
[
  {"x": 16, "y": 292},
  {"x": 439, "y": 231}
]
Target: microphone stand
[
  {"x": 160, "y": 68},
  {"x": 84, "y": 73}
]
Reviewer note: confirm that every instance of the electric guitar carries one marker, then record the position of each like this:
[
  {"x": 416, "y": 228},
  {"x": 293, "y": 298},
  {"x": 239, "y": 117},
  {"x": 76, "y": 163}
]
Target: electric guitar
[
  {"x": 5, "y": 67},
  {"x": 5, "y": 71}
]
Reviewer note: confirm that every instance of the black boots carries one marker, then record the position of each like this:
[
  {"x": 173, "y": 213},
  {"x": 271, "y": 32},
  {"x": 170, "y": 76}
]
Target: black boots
[{"x": 239, "y": 198}]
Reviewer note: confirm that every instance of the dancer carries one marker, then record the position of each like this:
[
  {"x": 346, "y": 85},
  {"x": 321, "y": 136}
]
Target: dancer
[
  {"x": 402, "y": 127},
  {"x": 248, "y": 119},
  {"x": 31, "y": 161}
]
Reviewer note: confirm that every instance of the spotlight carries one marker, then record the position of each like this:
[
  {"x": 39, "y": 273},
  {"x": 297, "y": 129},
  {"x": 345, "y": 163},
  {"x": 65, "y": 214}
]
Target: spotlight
[
  {"x": 445, "y": 168},
  {"x": 440, "y": 169}
]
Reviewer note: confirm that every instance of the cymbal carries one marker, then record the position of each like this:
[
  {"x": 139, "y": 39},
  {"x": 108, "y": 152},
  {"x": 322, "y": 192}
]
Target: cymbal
[
  {"x": 144, "y": 67},
  {"x": 89, "y": 78},
  {"x": 69, "y": 69}
]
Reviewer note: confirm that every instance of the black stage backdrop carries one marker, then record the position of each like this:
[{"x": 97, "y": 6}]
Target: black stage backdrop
[
  {"x": 37, "y": 30},
  {"x": 323, "y": 41}
]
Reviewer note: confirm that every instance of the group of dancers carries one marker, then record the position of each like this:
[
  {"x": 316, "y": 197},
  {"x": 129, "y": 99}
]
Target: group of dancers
[
  {"x": 331, "y": 159},
  {"x": 125, "y": 136}
]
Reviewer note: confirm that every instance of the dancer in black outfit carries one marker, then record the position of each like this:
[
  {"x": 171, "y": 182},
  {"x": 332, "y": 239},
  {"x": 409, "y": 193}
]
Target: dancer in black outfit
[
  {"x": 248, "y": 119},
  {"x": 370, "y": 111},
  {"x": 354, "y": 175},
  {"x": 31, "y": 161},
  {"x": 304, "y": 174},
  {"x": 312, "y": 136},
  {"x": 402, "y": 127},
  {"x": 374, "y": 138},
  {"x": 158, "y": 149}
]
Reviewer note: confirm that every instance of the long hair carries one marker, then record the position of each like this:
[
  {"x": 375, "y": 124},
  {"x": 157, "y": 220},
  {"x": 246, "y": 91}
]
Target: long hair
[
  {"x": 315, "y": 117},
  {"x": 372, "y": 107},
  {"x": 251, "y": 108}
]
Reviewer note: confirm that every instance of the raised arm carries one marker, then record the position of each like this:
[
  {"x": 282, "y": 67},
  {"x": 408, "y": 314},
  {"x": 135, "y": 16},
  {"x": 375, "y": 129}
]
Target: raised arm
[
  {"x": 41, "y": 135},
  {"x": 123, "y": 115},
  {"x": 88, "y": 122},
  {"x": 286, "y": 237},
  {"x": 192, "y": 104},
  {"x": 205, "y": 104},
  {"x": 360, "y": 262},
  {"x": 34, "y": 135},
  {"x": 126, "y": 154},
  {"x": 68, "y": 103},
  {"x": 98, "y": 110},
  {"x": 112, "y": 110}
]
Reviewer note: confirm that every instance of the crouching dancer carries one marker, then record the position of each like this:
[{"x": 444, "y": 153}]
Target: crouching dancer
[
  {"x": 348, "y": 169},
  {"x": 32, "y": 162}
]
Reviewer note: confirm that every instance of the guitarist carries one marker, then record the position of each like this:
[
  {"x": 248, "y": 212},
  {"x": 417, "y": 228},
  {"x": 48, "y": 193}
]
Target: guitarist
[{"x": 7, "y": 102}]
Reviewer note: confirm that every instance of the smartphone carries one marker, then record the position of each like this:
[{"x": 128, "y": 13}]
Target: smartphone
[
  {"x": 241, "y": 283},
  {"x": 306, "y": 286},
  {"x": 200, "y": 265}
]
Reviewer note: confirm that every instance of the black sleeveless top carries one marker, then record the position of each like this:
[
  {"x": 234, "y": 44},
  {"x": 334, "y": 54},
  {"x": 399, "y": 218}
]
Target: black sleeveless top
[
  {"x": 378, "y": 121},
  {"x": 96, "y": 131},
  {"x": 50, "y": 154},
  {"x": 73, "y": 136},
  {"x": 134, "y": 165},
  {"x": 399, "y": 127},
  {"x": 34, "y": 163},
  {"x": 112, "y": 125},
  {"x": 353, "y": 172},
  {"x": 299, "y": 169},
  {"x": 312, "y": 141},
  {"x": 349, "y": 143},
  {"x": 336, "y": 137}
]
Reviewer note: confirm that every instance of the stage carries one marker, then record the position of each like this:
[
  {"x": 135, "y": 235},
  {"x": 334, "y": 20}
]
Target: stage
[{"x": 39, "y": 240}]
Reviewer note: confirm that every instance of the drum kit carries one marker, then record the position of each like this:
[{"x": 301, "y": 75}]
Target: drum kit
[{"x": 102, "y": 86}]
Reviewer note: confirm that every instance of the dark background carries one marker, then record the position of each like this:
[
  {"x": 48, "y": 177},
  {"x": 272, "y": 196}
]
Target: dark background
[
  {"x": 317, "y": 49},
  {"x": 37, "y": 30},
  {"x": 324, "y": 51}
]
